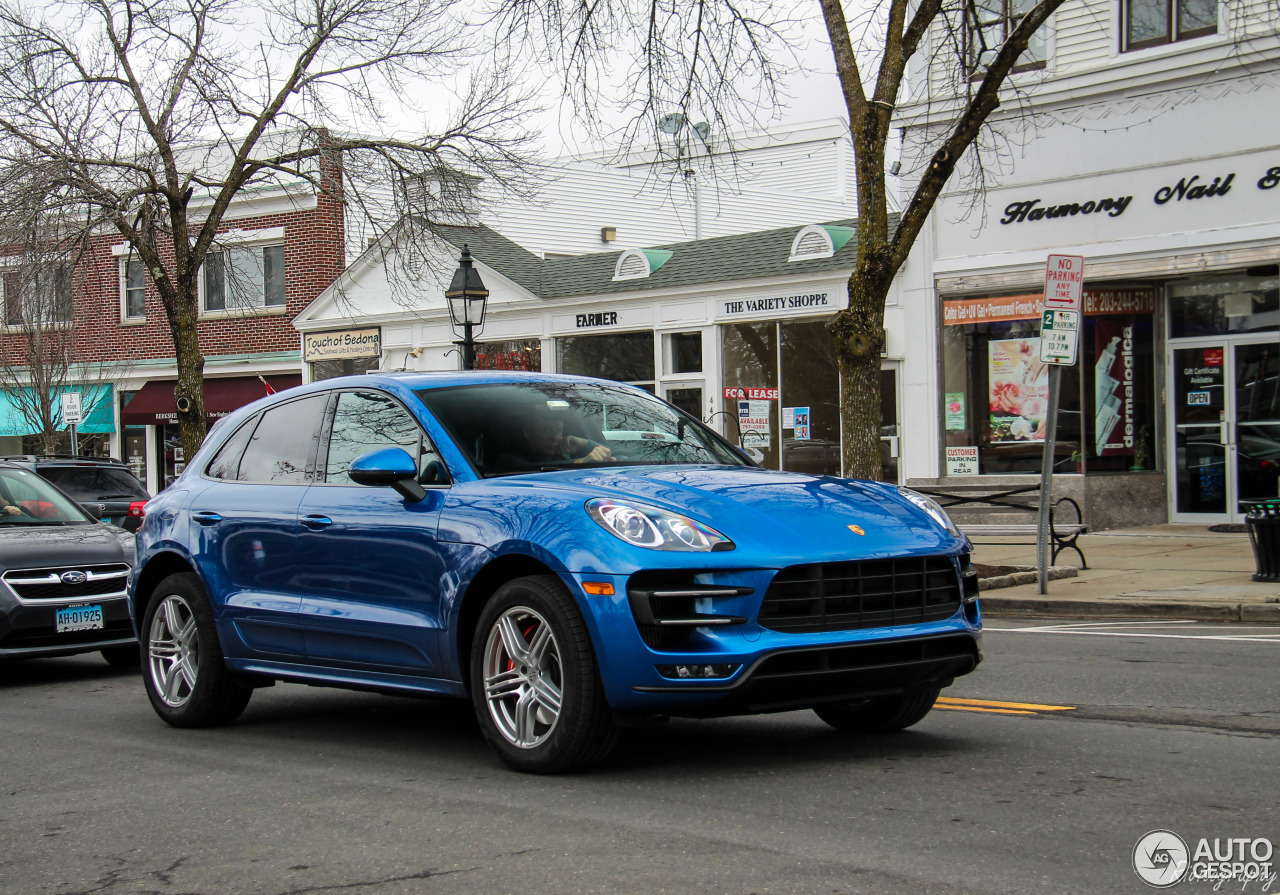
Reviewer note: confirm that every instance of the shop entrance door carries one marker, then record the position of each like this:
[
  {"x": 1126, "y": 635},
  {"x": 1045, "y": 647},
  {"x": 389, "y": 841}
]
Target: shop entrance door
[{"x": 1225, "y": 441}]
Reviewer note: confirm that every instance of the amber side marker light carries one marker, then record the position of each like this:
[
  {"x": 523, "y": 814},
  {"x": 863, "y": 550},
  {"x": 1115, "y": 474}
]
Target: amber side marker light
[{"x": 598, "y": 588}]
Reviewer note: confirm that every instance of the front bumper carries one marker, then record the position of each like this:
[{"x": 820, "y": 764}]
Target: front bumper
[{"x": 29, "y": 631}]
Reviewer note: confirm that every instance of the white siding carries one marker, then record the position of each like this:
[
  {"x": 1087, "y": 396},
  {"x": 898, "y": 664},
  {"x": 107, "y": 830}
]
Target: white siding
[{"x": 1082, "y": 36}]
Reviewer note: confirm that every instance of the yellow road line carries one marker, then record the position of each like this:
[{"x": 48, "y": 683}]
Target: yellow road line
[
  {"x": 974, "y": 708},
  {"x": 1031, "y": 707}
]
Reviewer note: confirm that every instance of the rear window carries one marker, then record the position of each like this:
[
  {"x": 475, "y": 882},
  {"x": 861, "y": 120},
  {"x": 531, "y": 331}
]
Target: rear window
[{"x": 92, "y": 483}]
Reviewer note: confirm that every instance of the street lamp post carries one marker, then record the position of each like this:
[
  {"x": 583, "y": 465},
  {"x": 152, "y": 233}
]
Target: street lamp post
[{"x": 467, "y": 300}]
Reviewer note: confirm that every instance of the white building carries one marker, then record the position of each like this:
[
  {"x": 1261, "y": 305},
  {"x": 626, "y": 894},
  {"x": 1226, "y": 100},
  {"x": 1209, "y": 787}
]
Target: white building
[
  {"x": 1143, "y": 137},
  {"x": 605, "y": 276}
]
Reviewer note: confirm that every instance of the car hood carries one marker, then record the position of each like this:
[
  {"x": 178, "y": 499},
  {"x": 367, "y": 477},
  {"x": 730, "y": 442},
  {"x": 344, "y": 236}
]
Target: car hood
[
  {"x": 795, "y": 515},
  {"x": 41, "y": 546}
]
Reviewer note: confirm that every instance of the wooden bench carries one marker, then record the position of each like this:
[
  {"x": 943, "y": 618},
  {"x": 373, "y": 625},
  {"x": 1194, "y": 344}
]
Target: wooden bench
[{"x": 1063, "y": 533}]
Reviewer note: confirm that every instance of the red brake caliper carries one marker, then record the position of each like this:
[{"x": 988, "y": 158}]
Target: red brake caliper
[{"x": 526, "y": 632}]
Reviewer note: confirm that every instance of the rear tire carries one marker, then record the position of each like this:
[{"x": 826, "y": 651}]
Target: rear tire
[
  {"x": 186, "y": 677},
  {"x": 883, "y": 714},
  {"x": 123, "y": 656},
  {"x": 535, "y": 686}
]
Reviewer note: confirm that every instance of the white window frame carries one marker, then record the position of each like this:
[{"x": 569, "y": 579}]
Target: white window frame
[
  {"x": 125, "y": 316},
  {"x": 240, "y": 240}
]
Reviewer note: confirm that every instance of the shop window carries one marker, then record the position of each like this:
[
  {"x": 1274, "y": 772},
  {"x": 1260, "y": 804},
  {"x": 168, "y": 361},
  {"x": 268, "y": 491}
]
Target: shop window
[
  {"x": 988, "y": 24},
  {"x": 1242, "y": 304},
  {"x": 347, "y": 366},
  {"x": 997, "y": 396},
  {"x": 685, "y": 350},
  {"x": 134, "y": 288},
  {"x": 513, "y": 354},
  {"x": 624, "y": 357},
  {"x": 787, "y": 415},
  {"x": 244, "y": 278},
  {"x": 1150, "y": 23},
  {"x": 996, "y": 390}
]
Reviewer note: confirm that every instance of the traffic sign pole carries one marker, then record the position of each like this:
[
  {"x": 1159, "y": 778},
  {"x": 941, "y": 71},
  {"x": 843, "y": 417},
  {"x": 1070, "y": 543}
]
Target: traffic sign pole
[{"x": 1059, "y": 346}]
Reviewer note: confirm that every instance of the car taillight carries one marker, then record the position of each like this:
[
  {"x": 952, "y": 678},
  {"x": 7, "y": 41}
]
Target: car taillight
[{"x": 138, "y": 508}]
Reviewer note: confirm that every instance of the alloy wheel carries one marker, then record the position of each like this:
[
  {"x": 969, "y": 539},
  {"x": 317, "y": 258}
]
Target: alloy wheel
[
  {"x": 173, "y": 651},
  {"x": 523, "y": 677}
]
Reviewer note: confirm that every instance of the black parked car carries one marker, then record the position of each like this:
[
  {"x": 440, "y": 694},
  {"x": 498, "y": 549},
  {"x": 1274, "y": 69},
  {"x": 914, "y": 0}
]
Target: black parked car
[
  {"x": 104, "y": 486},
  {"x": 63, "y": 575}
]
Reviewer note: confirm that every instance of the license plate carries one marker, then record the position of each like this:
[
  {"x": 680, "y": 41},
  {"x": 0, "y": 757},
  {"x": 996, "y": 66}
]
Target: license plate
[{"x": 78, "y": 618}]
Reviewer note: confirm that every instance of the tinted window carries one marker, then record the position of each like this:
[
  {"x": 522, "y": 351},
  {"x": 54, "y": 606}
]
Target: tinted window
[
  {"x": 368, "y": 421},
  {"x": 283, "y": 443},
  {"x": 226, "y": 463},
  {"x": 90, "y": 483}
]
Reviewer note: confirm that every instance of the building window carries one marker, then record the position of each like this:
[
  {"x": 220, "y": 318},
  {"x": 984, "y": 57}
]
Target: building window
[
  {"x": 515, "y": 354},
  {"x": 244, "y": 278},
  {"x": 40, "y": 298},
  {"x": 134, "y": 289},
  {"x": 996, "y": 390},
  {"x": 623, "y": 357},
  {"x": 1150, "y": 23},
  {"x": 988, "y": 25},
  {"x": 350, "y": 366}
]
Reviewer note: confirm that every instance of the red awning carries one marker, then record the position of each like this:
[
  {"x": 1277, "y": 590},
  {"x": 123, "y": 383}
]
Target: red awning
[{"x": 152, "y": 405}]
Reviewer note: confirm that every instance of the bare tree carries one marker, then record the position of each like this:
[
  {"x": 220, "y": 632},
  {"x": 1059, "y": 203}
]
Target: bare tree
[
  {"x": 150, "y": 118},
  {"x": 710, "y": 57}
]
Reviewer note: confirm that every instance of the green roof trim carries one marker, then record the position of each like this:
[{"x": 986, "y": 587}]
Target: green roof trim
[
  {"x": 839, "y": 235},
  {"x": 657, "y": 257}
]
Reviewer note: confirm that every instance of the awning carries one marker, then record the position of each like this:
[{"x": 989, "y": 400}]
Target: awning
[
  {"x": 96, "y": 411},
  {"x": 152, "y": 405}
]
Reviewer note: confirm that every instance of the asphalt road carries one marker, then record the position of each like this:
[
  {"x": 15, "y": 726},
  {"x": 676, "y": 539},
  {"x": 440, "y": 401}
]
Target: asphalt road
[{"x": 1117, "y": 729}]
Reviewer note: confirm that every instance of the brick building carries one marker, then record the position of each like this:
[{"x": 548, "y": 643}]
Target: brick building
[{"x": 283, "y": 246}]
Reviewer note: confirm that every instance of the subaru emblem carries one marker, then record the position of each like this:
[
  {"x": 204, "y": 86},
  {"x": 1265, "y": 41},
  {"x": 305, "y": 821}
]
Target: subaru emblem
[{"x": 73, "y": 577}]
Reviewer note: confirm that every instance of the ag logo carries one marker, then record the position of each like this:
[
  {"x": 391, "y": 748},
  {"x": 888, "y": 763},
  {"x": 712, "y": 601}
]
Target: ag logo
[
  {"x": 73, "y": 577},
  {"x": 1160, "y": 859}
]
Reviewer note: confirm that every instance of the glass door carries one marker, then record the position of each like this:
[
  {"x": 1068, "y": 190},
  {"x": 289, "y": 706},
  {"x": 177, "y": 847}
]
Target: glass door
[{"x": 1226, "y": 427}]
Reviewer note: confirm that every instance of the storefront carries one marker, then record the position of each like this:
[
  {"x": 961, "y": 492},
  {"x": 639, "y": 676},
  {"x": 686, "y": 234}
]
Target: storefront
[
  {"x": 20, "y": 428},
  {"x": 725, "y": 338}
]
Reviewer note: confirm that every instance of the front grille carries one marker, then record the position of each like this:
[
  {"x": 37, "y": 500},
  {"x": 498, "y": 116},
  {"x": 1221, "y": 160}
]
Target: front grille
[
  {"x": 46, "y": 585},
  {"x": 868, "y": 593}
]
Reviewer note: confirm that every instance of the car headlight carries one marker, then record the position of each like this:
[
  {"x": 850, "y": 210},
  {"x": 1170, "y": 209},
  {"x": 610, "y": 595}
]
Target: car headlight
[
  {"x": 930, "y": 506},
  {"x": 645, "y": 526}
]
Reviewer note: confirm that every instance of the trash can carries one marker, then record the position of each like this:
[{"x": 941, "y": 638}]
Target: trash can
[{"x": 1263, "y": 520}]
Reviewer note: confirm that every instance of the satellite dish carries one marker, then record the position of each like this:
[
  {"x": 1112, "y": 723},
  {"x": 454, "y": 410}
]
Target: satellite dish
[
  {"x": 702, "y": 129},
  {"x": 671, "y": 124}
]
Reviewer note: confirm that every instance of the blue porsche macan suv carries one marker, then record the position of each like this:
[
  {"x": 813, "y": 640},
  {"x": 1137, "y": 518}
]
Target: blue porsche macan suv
[{"x": 567, "y": 553}]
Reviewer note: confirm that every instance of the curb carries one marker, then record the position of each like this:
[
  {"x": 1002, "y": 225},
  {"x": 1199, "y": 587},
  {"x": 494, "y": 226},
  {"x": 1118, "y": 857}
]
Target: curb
[{"x": 1011, "y": 607}]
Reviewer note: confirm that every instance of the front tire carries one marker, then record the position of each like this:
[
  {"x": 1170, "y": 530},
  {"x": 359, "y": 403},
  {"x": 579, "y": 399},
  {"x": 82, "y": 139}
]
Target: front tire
[
  {"x": 534, "y": 682},
  {"x": 186, "y": 677},
  {"x": 883, "y": 714}
]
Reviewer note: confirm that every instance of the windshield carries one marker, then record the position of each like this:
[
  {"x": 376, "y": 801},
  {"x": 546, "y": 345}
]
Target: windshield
[
  {"x": 27, "y": 499},
  {"x": 90, "y": 483},
  {"x": 518, "y": 427}
]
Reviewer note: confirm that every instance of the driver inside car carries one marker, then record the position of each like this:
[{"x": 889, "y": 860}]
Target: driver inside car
[{"x": 543, "y": 440}]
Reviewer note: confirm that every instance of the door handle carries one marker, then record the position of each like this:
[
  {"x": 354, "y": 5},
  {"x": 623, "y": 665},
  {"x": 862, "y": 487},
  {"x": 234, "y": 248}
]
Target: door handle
[
  {"x": 316, "y": 522},
  {"x": 206, "y": 517}
]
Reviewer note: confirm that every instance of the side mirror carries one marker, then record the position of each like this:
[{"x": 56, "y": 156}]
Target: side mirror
[{"x": 389, "y": 467}]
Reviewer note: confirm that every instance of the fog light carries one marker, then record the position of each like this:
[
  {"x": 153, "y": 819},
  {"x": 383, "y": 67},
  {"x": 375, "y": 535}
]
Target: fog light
[{"x": 696, "y": 671}]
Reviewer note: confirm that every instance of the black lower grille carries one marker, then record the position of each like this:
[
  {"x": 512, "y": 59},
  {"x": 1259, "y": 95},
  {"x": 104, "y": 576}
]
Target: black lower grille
[
  {"x": 869, "y": 593},
  {"x": 118, "y": 629},
  {"x": 49, "y": 584}
]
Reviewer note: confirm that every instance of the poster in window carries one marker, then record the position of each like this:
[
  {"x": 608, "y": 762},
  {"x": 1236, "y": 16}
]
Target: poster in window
[
  {"x": 955, "y": 411},
  {"x": 1113, "y": 387},
  {"x": 1018, "y": 390}
]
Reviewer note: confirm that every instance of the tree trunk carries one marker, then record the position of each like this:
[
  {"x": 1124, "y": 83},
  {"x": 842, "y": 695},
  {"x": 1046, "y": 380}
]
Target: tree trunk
[
  {"x": 188, "y": 395},
  {"x": 859, "y": 337}
]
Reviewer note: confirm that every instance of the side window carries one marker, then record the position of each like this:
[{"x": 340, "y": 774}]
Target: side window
[
  {"x": 367, "y": 421},
  {"x": 226, "y": 463},
  {"x": 283, "y": 442}
]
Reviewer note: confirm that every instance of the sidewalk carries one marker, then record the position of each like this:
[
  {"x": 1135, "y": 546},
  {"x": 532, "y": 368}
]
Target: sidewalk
[{"x": 1160, "y": 571}]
